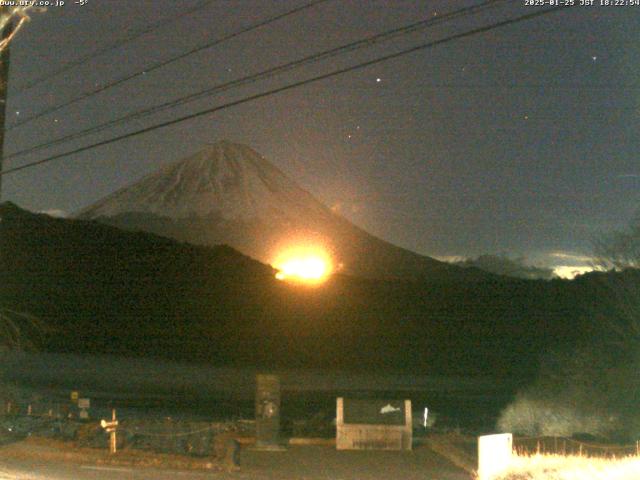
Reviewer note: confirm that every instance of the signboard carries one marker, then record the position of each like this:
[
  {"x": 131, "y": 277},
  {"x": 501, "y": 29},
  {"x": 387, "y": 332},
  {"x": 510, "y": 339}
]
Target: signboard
[
  {"x": 374, "y": 412},
  {"x": 74, "y": 396},
  {"x": 83, "y": 405},
  {"x": 494, "y": 455},
  {"x": 373, "y": 424}
]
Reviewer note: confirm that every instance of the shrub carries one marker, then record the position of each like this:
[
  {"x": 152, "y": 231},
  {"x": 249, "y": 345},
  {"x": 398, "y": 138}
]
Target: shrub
[{"x": 559, "y": 417}]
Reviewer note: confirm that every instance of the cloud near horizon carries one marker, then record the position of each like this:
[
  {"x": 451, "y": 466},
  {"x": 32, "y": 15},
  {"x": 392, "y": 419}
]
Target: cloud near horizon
[
  {"x": 510, "y": 267},
  {"x": 54, "y": 212},
  {"x": 572, "y": 265}
]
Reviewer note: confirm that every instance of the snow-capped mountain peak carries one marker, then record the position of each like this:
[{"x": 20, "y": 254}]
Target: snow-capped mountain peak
[{"x": 224, "y": 179}]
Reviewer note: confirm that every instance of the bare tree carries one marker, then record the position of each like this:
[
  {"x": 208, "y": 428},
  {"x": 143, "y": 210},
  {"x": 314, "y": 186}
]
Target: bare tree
[
  {"x": 616, "y": 308},
  {"x": 20, "y": 330},
  {"x": 13, "y": 18},
  {"x": 619, "y": 250},
  {"x": 593, "y": 386}
]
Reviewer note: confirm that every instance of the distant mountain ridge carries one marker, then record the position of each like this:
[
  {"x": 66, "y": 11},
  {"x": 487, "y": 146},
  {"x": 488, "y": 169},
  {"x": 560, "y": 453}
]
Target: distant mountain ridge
[{"x": 229, "y": 194}]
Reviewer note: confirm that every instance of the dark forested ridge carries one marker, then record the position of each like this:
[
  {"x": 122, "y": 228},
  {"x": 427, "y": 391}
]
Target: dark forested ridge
[{"x": 104, "y": 290}]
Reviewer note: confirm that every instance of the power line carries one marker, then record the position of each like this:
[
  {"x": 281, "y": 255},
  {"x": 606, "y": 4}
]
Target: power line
[
  {"x": 113, "y": 46},
  {"x": 291, "y": 86},
  {"x": 164, "y": 63},
  {"x": 250, "y": 79}
]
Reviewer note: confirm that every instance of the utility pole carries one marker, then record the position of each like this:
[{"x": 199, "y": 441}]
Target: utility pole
[{"x": 4, "y": 84}]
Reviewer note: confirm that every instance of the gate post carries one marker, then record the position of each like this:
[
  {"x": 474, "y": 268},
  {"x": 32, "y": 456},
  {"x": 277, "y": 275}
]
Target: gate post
[{"x": 268, "y": 412}]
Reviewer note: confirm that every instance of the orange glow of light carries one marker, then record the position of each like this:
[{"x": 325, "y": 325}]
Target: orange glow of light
[{"x": 308, "y": 265}]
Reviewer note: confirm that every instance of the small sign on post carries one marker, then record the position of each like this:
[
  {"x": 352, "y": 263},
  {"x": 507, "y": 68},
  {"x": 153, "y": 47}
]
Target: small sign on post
[
  {"x": 110, "y": 427},
  {"x": 74, "y": 396},
  {"x": 494, "y": 455},
  {"x": 83, "y": 407}
]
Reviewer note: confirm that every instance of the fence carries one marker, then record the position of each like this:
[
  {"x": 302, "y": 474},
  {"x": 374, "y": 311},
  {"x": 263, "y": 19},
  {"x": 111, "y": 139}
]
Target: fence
[
  {"x": 37, "y": 408},
  {"x": 572, "y": 446},
  {"x": 167, "y": 435}
]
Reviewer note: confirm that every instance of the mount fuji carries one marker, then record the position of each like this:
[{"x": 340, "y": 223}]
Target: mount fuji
[{"x": 227, "y": 193}]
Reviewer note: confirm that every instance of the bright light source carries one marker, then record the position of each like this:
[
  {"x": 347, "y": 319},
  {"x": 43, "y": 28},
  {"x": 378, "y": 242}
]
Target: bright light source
[
  {"x": 303, "y": 268},
  {"x": 305, "y": 264}
]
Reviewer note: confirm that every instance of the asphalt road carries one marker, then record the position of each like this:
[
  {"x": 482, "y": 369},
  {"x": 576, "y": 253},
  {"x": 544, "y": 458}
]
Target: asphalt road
[
  {"x": 296, "y": 463},
  {"x": 29, "y": 470}
]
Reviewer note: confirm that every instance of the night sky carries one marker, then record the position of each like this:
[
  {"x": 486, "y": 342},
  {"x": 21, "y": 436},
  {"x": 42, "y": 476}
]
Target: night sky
[{"x": 521, "y": 141}]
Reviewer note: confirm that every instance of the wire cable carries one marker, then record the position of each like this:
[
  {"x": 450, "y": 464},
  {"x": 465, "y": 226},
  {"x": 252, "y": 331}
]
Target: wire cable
[
  {"x": 164, "y": 63},
  {"x": 271, "y": 72},
  {"x": 290, "y": 86},
  {"x": 112, "y": 46}
]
